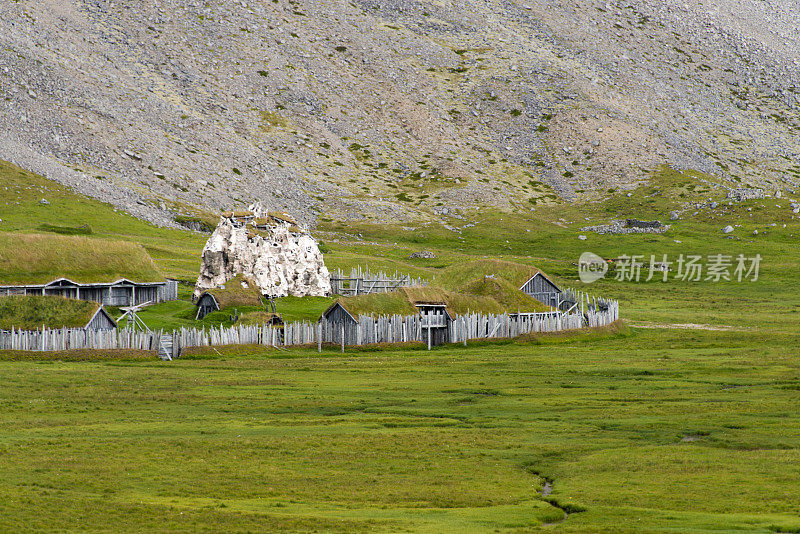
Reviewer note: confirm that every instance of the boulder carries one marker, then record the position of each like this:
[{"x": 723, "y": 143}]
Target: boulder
[
  {"x": 423, "y": 254},
  {"x": 278, "y": 255},
  {"x": 629, "y": 226},
  {"x": 746, "y": 194},
  {"x": 728, "y": 229},
  {"x": 636, "y": 223}
]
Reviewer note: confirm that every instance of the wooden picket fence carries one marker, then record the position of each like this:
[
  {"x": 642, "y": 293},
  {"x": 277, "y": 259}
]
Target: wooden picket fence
[
  {"x": 570, "y": 298},
  {"x": 367, "y": 330},
  {"x": 365, "y": 282},
  {"x": 77, "y": 338}
]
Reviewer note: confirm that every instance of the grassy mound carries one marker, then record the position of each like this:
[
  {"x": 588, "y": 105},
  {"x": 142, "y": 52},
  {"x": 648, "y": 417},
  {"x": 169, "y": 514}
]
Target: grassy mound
[
  {"x": 32, "y": 311},
  {"x": 394, "y": 303},
  {"x": 506, "y": 294},
  {"x": 256, "y": 318},
  {"x": 457, "y": 302},
  {"x": 40, "y": 258},
  {"x": 460, "y": 274},
  {"x": 302, "y": 308},
  {"x": 238, "y": 292}
]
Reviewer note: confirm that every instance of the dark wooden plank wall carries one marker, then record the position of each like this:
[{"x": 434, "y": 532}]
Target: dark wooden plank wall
[
  {"x": 339, "y": 315},
  {"x": 108, "y": 295},
  {"x": 540, "y": 284},
  {"x": 101, "y": 322},
  {"x": 207, "y": 304}
]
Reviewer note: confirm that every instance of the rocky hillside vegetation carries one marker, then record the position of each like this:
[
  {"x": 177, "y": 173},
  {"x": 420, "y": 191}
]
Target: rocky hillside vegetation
[{"x": 394, "y": 110}]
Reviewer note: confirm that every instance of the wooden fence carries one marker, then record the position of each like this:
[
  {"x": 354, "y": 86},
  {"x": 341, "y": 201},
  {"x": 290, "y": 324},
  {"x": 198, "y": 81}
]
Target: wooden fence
[
  {"x": 367, "y": 330},
  {"x": 365, "y": 282},
  {"x": 77, "y": 338},
  {"x": 570, "y": 298}
]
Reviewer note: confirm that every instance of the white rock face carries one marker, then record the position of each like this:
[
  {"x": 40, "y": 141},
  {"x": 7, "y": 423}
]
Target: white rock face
[{"x": 282, "y": 258}]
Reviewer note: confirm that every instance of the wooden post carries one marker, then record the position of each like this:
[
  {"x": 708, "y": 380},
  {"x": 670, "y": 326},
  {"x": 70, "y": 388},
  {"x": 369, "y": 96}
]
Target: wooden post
[
  {"x": 319, "y": 337},
  {"x": 429, "y": 337},
  {"x": 342, "y": 336}
]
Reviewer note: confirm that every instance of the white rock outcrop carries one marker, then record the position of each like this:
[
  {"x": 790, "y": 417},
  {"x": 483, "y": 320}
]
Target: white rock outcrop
[{"x": 270, "y": 248}]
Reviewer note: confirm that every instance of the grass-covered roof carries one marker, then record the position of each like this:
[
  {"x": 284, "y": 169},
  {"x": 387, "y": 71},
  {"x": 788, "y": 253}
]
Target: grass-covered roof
[
  {"x": 238, "y": 291},
  {"x": 505, "y": 293},
  {"x": 393, "y": 303},
  {"x": 481, "y": 295},
  {"x": 42, "y": 258},
  {"x": 260, "y": 318},
  {"x": 457, "y": 275},
  {"x": 32, "y": 311}
]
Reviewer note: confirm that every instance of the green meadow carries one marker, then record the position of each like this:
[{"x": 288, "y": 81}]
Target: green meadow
[
  {"x": 634, "y": 430},
  {"x": 685, "y": 418}
]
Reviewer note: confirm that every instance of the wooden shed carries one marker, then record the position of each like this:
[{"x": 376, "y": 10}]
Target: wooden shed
[
  {"x": 338, "y": 314},
  {"x": 436, "y": 322},
  {"x": 122, "y": 292},
  {"x": 101, "y": 320},
  {"x": 344, "y": 325},
  {"x": 540, "y": 287},
  {"x": 206, "y": 304}
]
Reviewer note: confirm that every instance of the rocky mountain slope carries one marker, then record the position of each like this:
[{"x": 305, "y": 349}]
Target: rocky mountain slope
[{"x": 395, "y": 110}]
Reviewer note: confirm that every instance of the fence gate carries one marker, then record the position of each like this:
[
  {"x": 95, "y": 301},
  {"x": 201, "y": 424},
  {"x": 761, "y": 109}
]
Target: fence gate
[{"x": 168, "y": 348}]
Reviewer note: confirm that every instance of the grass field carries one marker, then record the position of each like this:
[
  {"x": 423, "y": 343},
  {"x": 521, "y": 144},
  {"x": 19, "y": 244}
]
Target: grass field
[
  {"x": 649, "y": 430},
  {"x": 660, "y": 427},
  {"x": 176, "y": 252}
]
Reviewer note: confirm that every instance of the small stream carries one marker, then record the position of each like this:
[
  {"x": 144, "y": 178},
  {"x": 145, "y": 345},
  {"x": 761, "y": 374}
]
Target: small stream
[
  {"x": 545, "y": 495},
  {"x": 547, "y": 489}
]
